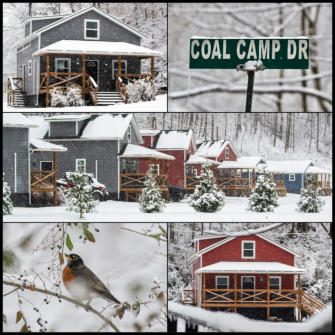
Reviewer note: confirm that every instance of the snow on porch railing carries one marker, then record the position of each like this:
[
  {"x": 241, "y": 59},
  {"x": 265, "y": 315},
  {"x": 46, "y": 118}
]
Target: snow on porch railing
[
  {"x": 187, "y": 297},
  {"x": 121, "y": 88},
  {"x": 92, "y": 88},
  {"x": 14, "y": 85}
]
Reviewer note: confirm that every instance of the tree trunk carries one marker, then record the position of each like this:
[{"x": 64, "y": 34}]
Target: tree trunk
[
  {"x": 212, "y": 136},
  {"x": 317, "y": 131},
  {"x": 275, "y": 130},
  {"x": 288, "y": 131},
  {"x": 303, "y": 72}
]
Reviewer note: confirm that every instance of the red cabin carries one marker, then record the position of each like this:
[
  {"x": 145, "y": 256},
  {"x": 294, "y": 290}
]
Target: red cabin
[
  {"x": 219, "y": 151},
  {"x": 252, "y": 275}
]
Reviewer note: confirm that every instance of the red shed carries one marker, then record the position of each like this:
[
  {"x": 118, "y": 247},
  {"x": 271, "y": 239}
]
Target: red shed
[{"x": 252, "y": 275}]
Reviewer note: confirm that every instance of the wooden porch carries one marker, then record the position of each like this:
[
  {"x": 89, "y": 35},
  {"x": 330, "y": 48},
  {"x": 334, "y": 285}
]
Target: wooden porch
[{"x": 322, "y": 181}]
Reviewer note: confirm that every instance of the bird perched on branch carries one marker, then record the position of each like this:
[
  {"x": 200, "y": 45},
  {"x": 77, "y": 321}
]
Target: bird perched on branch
[{"x": 82, "y": 283}]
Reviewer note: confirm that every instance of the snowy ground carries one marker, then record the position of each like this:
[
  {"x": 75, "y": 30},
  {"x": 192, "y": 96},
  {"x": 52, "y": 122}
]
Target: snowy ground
[
  {"x": 235, "y": 210},
  {"x": 125, "y": 261},
  {"x": 158, "y": 105}
]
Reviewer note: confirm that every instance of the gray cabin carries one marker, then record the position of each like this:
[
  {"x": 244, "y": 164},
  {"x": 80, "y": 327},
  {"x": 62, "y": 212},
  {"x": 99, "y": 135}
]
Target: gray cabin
[{"x": 90, "y": 50}]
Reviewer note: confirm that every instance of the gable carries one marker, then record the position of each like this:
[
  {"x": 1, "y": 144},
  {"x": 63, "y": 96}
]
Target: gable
[{"x": 174, "y": 140}]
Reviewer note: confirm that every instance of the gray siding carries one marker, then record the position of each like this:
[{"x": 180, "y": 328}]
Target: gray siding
[
  {"x": 105, "y": 152},
  {"x": 74, "y": 30},
  {"x": 27, "y": 29},
  {"x": 22, "y": 58},
  {"x": 15, "y": 140},
  {"x": 62, "y": 129},
  {"x": 134, "y": 139},
  {"x": 38, "y": 24}
]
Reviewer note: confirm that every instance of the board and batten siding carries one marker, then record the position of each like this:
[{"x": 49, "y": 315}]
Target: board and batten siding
[
  {"x": 15, "y": 141},
  {"x": 293, "y": 186}
]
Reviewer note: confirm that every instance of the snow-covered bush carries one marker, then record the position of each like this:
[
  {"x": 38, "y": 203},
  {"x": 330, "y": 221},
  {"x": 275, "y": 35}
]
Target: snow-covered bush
[
  {"x": 58, "y": 98},
  {"x": 80, "y": 199},
  {"x": 7, "y": 204},
  {"x": 206, "y": 196},
  {"x": 140, "y": 90},
  {"x": 322, "y": 289},
  {"x": 151, "y": 200},
  {"x": 310, "y": 201},
  {"x": 264, "y": 197},
  {"x": 71, "y": 97}
]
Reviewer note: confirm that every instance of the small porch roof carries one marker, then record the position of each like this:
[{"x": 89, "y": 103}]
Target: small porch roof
[
  {"x": 250, "y": 267},
  {"x": 244, "y": 162},
  {"x": 287, "y": 166},
  {"x": 136, "y": 151},
  {"x": 96, "y": 48},
  {"x": 194, "y": 159},
  {"x": 317, "y": 169},
  {"x": 40, "y": 145}
]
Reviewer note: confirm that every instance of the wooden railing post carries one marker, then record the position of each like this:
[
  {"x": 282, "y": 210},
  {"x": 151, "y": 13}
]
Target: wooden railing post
[
  {"x": 83, "y": 70},
  {"x": 203, "y": 288},
  {"x": 235, "y": 292},
  {"x": 299, "y": 299},
  {"x": 268, "y": 296}
]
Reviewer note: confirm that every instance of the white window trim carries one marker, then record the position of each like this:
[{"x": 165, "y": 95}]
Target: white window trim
[
  {"x": 218, "y": 277},
  {"x": 30, "y": 67},
  {"x": 80, "y": 159},
  {"x": 115, "y": 61},
  {"x": 98, "y": 30},
  {"x": 248, "y": 257},
  {"x": 129, "y": 134},
  {"x": 279, "y": 277},
  {"x": 290, "y": 177},
  {"x": 56, "y": 59},
  {"x": 227, "y": 153},
  {"x": 151, "y": 165},
  {"x": 46, "y": 162}
]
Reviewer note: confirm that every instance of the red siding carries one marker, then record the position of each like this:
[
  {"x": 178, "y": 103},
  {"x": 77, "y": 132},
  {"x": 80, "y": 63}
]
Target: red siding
[
  {"x": 176, "y": 167},
  {"x": 232, "y": 155},
  {"x": 146, "y": 141},
  {"x": 205, "y": 243}
]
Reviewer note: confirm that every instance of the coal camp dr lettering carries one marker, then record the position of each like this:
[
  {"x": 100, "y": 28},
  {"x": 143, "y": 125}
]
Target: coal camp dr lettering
[{"x": 267, "y": 49}]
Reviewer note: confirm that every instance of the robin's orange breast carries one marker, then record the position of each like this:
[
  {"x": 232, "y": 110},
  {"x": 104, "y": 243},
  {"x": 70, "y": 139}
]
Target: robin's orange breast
[{"x": 68, "y": 277}]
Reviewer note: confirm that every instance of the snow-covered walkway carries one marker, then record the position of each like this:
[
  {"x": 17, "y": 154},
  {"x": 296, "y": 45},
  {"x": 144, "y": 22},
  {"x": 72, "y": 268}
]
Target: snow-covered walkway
[{"x": 235, "y": 210}]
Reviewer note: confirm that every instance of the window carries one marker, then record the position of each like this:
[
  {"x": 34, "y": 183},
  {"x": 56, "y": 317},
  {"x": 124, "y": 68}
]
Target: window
[
  {"x": 238, "y": 173},
  {"x": 115, "y": 69},
  {"x": 275, "y": 283},
  {"x": 92, "y": 29},
  {"x": 227, "y": 153},
  {"x": 222, "y": 282},
  {"x": 129, "y": 134},
  {"x": 248, "y": 249},
  {"x": 63, "y": 65},
  {"x": 46, "y": 165},
  {"x": 291, "y": 177},
  {"x": 154, "y": 168},
  {"x": 129, "y": 166},
  {"x": 30, "y": 67},
  {"x": 191, "y": 171},
  {"x": 80, "y": 165}
]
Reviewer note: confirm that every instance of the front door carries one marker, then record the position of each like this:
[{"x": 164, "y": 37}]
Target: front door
[
  {"x": 91, "y": 67},
  {"x": 248, "y": 283}
]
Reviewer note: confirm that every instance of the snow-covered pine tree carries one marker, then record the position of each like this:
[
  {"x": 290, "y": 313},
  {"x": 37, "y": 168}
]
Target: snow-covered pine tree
[
  {"x": 151, "y": 200},
  {"x": 80, "y": 199},
  {"x": 206, "y": 196},
  {"x": 310, "y": 200},
  {"x": 7, "y": 204},
  {"x": 264, "y": 197}
]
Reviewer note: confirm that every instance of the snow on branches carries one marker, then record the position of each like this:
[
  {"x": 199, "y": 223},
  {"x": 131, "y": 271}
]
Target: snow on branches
[
  {"x": 310, "y": 201},
  {"x": 151, "y": 200},
  {"x": 72, "y": 97},
  {"x": 140, "y": 90},
  {"x": 206, "y": 196},
  {"x": 80, "y": 197},
  {"x": 7, "y": 204},
  {"x": 264, "y": 197}
]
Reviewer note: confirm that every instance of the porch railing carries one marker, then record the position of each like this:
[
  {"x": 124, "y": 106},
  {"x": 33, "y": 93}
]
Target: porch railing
[
  {"x": 136, "y": 181},
  {"x": 43, "y": 181},
  {"x": 121, "y": 88},
  {"x": 14, "y": 86},
  {"x": 60, "y": 80},
  {"x": 92, "y": 88},
  {"x": 187, "y": 297}
]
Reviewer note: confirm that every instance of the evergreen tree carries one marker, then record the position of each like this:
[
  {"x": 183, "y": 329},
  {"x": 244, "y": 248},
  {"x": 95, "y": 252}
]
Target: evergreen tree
[
  {"x": 7, "y": 204},
  {"x": 80, "y": 196},
  {"x": 264, "y": 197},
  {"x": 310, "y": 201},
  {"x": 151, "y": 200},
  {"x": 206, "y": 196}
]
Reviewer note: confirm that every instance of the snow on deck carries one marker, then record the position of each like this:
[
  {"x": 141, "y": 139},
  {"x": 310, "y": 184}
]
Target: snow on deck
[
  {"x": 96, "y": 47},
  {"x": 107, "y": 127},
  {"x": 17, "y": 120},
  {"x": 174, "y": 139},
  {"x": 249, "y": 267},
  {"x": 211, "y": 148},
  {"x": 244, "y": 162},
  {"x": 194, "y": 159},
  {"x": 39, "y": 145},
  {"x": 136, "y": 151},
  {"x": 288, "y": 166}
]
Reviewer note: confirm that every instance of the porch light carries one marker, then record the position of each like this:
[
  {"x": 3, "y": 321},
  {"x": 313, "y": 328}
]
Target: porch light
[
  {"x": 261, "y": 278},
  {"x": 20, "y": 68},
  {"x": 77, "y": 61}
]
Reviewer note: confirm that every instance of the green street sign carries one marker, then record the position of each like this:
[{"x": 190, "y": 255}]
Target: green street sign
[{"x": 229, "y": 53}]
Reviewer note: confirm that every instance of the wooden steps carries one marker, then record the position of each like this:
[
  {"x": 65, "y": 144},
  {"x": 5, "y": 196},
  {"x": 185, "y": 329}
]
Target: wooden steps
[
  {"x": 109, "y": 98},
  {"x": 310, "y": 304}
]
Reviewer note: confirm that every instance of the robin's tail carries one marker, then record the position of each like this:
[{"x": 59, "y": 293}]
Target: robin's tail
[{"x": 111, "y": 298}]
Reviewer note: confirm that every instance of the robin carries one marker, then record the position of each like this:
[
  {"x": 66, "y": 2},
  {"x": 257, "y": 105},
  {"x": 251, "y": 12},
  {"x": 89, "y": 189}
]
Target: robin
[{"x": 82, "y": 283}]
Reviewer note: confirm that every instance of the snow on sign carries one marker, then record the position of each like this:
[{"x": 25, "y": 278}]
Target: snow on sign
[{"x": 229, "y": 53}]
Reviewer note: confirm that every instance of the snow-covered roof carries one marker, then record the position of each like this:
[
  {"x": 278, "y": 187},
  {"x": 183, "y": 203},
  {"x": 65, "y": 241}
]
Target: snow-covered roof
[
  {"x": 136, "y": 151},
  {"x": 194, "y": 159},
  {"x": 96, "y": 48},
  {"x": 17, "y": 120},
  {"x": 40, "y": 145},
  {"x": 317, "y": 169},
  {"x": 72, "y": 117},
  {"x": 250, "y": 267},
  {"x": 41, "y": 130},
  {"x": 110, "y": 127},
  {"x": 287, "y": 166},
  {"x": 149, "y": 132},
  {"x": 213, "y": 148},
  {"x": 174, "y": 139},
  {"x": 72, "y": 16},
  {"x": 244, "y": 162}
]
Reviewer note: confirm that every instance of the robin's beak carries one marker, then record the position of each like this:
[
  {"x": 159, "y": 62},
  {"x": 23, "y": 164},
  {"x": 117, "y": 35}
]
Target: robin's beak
[{"x": 68, "y": 257}]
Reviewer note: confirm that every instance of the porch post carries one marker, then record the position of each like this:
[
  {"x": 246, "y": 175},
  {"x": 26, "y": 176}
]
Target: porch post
[
  {"x": 268, "y": 297},
  {"x": 48, "y": 81},
  {"x": 203, "y": 288},
  {"x": 235, "y": 292},
  {"x": 299, "y": 299},
  {"x": 119, "y": 66},
  {"x": 152, "y": 68},
  {"x": 55, "y": 178},
  {"x": 83, "y": 70},
  {"x": 234, "y": 192}
]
